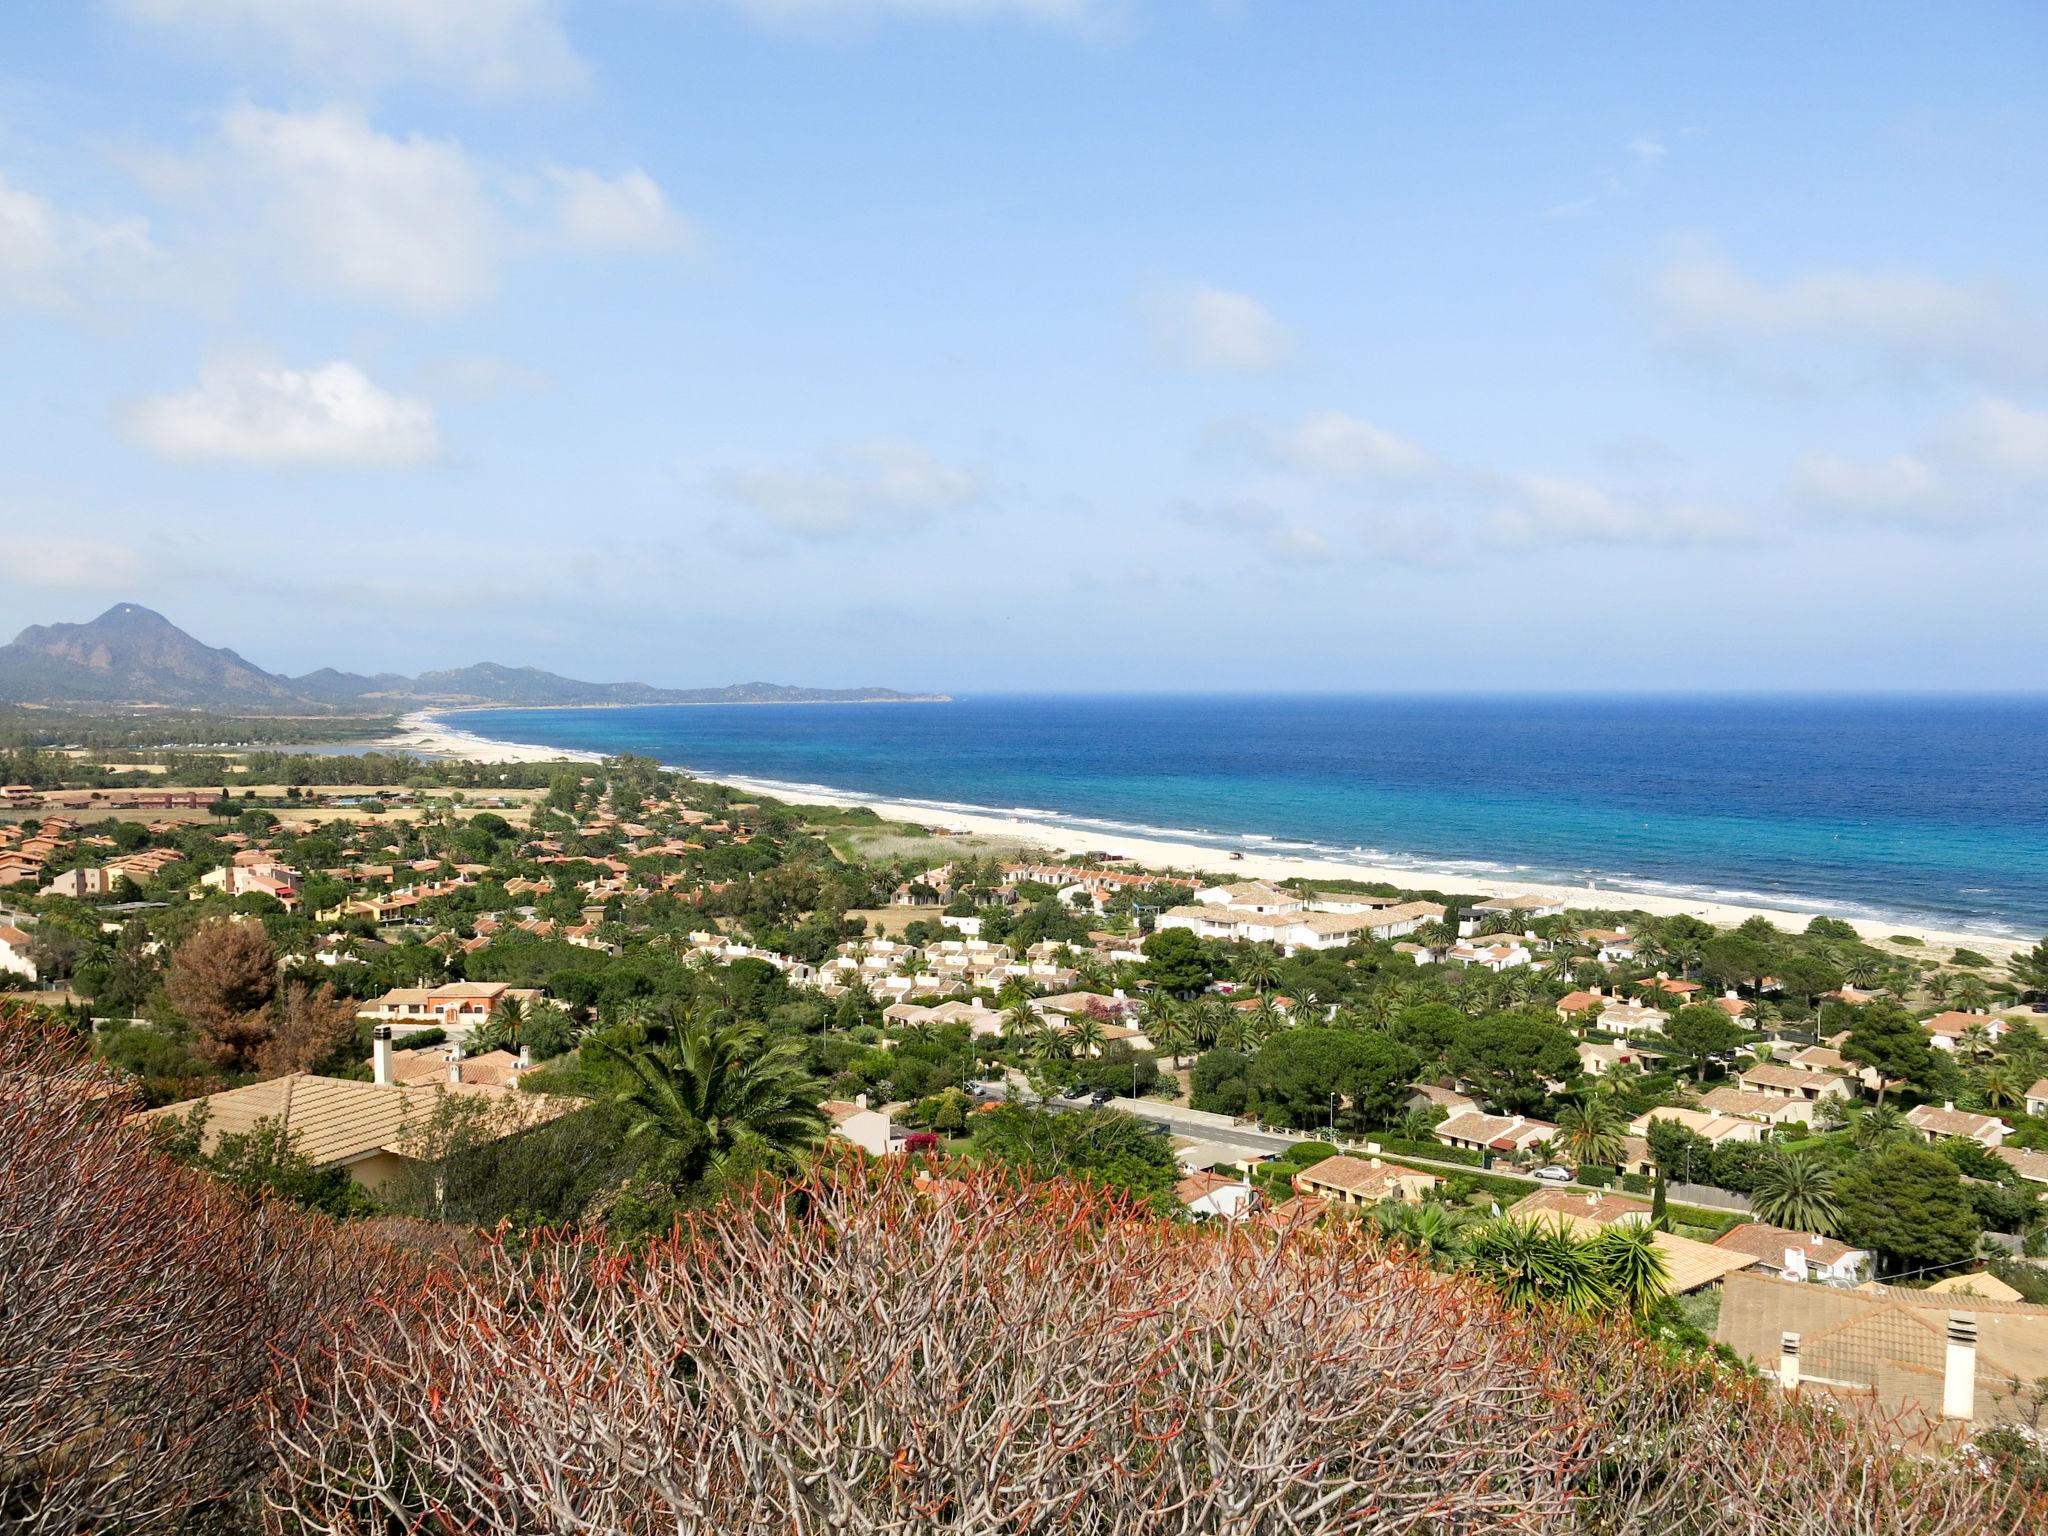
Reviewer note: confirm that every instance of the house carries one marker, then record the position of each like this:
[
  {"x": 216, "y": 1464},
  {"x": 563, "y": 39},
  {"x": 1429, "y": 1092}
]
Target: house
[
  {"x": 80, "y": 884},
  {"x": 1983, "y": 1285},
  {"x": 1503, "y": 952},
  {"x": 1629, "y": 1019},
  {"x": 2031, "y": 1165},
  {"x": 456, "y": 1007},
  {"x": 1348, "y": 1180},
  {"x": 1938, "y": 1124},
  {"x": 1882, "y": 1349},
  {"x": 1797, "y": 1255},
  {"x": 1948, "y": 1028},
  {"x": 2037, "y": 1098},
  {"x": 1299, "y": 928},
  {"x": 1597, "y": 1058},
  {"x": 1478, "y": 1132},
  {"x": 14, "y": 958},
  {"x": 443, "y": 1064},
  {"x": 1436, "y": 1096},
  {"x": 868, "y": 1129},
  {"x": 1768, "y": 1108},
  {"x": 373, "y": 1130},
  {"x": 1612, "y": 946},
  {"x": 1520, "y": 908},
  {"x": 1584, "y": 1000},
  {"x": 1793, "y": 1082},
  {"x": 1216, "y": 1196},
  {"x": 1601, "y": 1206},
  {"x": 1717, "y": 1128}
]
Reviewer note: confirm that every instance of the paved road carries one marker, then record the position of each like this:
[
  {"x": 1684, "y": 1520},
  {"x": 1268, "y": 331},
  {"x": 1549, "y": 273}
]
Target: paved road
[{"x": 1221, "y": 1130}]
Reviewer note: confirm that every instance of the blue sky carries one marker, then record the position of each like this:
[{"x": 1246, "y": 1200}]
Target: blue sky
[{"x": 1065, "y": 344}]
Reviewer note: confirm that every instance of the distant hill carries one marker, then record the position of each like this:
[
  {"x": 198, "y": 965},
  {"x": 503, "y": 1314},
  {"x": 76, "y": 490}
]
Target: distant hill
[{"x": 131, "y": 655}]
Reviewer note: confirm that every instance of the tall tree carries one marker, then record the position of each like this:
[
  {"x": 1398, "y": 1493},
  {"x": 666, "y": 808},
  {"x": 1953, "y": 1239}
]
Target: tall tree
[
  {"x": 222, "y": 979},
  {"x": 1894, "y": 1044},
  {"x": 1511, "y": 1059},
  {"x": 1701, "y": 1031},
  {"x": 312, "y": 1025},
  {"x": 1910, "y": 1208}
]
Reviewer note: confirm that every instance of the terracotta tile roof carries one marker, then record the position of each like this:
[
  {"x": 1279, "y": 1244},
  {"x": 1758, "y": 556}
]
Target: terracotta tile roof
[
  {"x": 1767, "y": 1244},
  {"x": 1601, "y": 1206}
]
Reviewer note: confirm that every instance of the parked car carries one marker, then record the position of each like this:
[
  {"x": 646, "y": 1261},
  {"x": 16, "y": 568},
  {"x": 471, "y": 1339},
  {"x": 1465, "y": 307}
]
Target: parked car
[{"x": 1555, "y": 1173}]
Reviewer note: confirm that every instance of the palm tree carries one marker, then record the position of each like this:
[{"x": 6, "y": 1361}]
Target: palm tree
[
  {"x": 1236, "y": 1033},
  {"x": 1939, "y": 986},
  {"x": 1530, "y": 1261},
  {"x": 1086, "y": 1035},
  {"x": 1049, "y": 1043},
  {"x": 1972, "y": 995},
  {"x": 1592, "y": 1131},
  {"x": 1975, "y": 1040},
  {"x": 1267, "y": 1020},
  {"x": 1876, "y": 1128},
  {"x": 1430, "y": 1231},
  {"x": 1018, "y": 1020},
  {"x": 1795, "y": 1189},
  {"x": 1174, "y": 1034},
  {"x": 2001, "y": 1088},
  {"x": 715, "y": 1089},
  {"x": 1260, "y": 969},
  {"x": 1636, "y": 1271}
]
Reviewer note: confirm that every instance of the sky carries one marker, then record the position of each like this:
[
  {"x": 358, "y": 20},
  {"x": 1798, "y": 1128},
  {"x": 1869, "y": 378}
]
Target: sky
[{"x": 1037, "y": 344}]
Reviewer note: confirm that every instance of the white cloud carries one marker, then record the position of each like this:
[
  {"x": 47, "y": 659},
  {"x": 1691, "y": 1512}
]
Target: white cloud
[
  {"x": 45, "y": 252},
  {"x": 1214, "y": 330},
  {"x": 1911, "y": 321},
  {"x": 489, "y": 47},
  {"x": 405, "y": 221},
  {"x": 1648, "y": 151},
  {"x": 258, "y": 414},
  {"x": 1335, "y": 446},
  {"x": 2002, "y": 437},
  {"x": 858, "y": 488},
  {"x": 68, "y": 564},
  {"x": 417, "y": 222},
  {"x": 619, "y": 213}
]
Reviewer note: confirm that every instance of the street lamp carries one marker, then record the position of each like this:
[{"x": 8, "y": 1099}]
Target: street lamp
[{"x": 1333, "y": 1116}]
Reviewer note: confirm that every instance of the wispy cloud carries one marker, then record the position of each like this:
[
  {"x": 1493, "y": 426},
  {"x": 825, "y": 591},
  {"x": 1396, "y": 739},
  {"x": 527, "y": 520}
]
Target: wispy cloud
[
  {"x": 877, "y": 489},
  {"x": 1905, "y": 321},
  {"x": 486, "y": 47},
  {"x": 50, "y": 256}
]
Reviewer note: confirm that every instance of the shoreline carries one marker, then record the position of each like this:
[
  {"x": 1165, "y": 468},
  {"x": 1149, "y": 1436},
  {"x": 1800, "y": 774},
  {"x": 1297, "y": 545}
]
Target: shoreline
[{"x": 420, "y": 732}]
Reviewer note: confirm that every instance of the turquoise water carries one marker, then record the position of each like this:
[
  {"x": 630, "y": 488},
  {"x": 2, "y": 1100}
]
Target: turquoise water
[{"x": 1931, "y": 810}]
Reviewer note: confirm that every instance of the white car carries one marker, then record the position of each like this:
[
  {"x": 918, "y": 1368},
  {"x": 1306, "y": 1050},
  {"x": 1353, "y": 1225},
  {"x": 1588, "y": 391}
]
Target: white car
[{"x": 1555, "y": 1174}]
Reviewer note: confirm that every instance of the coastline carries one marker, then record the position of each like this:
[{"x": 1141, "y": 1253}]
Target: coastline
[{"x": 420, "y": 732}]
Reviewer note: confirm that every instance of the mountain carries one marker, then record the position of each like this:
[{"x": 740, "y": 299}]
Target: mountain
[{"x": 130, "y": 655}]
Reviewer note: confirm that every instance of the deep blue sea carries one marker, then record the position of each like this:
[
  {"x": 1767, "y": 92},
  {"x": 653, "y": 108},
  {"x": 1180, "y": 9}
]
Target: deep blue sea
[{"x": 1932, "y": 810}]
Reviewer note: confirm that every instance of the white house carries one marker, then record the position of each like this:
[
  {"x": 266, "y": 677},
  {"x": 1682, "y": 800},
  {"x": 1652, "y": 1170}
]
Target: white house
[
  {"x": 14, "y": 953},
  {"x": 1525, "y": 906},
  {"x": 1806, "y": 1256},
  {"x": 2037, "y": 1098},
  {"x": 868, "y": 1129},
  {"x": 1938, "y": 1124},
  {"x": 1216, "y": 1196},
  {"x": 1503, "y": 952}
]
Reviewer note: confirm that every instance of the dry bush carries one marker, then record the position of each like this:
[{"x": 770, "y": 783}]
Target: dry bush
[
  {"x": 144, "y": 1311},
  {"x": 857, "y": 1356},
  {"x": 222, "y": 979}
]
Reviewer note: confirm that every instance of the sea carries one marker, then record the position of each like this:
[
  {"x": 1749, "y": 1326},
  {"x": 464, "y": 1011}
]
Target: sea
[{"x": 1929, "y": 810}]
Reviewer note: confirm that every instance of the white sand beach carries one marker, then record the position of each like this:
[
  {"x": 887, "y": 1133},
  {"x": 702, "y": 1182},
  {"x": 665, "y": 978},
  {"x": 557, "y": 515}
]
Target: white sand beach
[{"x": 421, "y": 733}]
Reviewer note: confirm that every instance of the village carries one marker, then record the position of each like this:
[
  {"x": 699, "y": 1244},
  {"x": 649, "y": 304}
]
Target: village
[{"x": 1821, "y": 1140}]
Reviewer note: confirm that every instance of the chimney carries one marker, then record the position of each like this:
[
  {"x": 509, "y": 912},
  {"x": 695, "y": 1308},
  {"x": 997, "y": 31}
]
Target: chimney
[
  {"x": 380, "y": 1054},
  {"x": 455, "y": 1069},
  {"x": 455, "y": 1050},
  {"x": 860, "y": 1101},
  {"x": 1949, "y": 1105},
  {"x": 1788, "y": 1361},
  {"x": 525, "y": 1057},
  {"x": 1959, "y": 1368}
]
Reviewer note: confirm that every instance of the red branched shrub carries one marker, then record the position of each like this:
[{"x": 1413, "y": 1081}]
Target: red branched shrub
[
  {"x": 857, "y": 1356},
  {"x": 143, "y": 1311},
  {"x": 851, "y": 1354}
]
